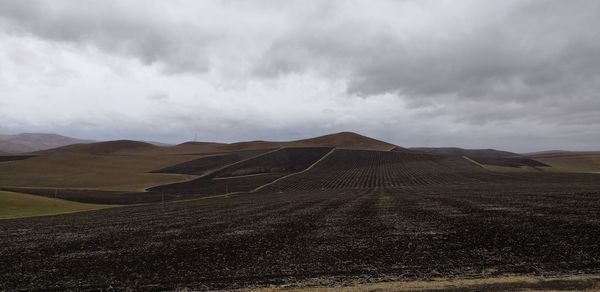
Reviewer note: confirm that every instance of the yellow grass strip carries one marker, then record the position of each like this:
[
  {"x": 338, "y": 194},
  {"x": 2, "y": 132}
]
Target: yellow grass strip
[
  {"x": 18, "y": 205},
  {"x": 512, "y": 283}
]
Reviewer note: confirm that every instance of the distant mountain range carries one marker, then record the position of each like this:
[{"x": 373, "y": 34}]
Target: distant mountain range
[
  {"x": 29, "y": 142},
  {"x": 339, "y": 140},
  {"x": 35, "y": 142}
]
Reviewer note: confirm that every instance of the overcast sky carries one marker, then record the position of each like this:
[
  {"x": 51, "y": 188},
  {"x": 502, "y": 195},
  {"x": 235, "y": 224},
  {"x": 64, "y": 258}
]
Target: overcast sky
[{"x": 515, "y": 75}]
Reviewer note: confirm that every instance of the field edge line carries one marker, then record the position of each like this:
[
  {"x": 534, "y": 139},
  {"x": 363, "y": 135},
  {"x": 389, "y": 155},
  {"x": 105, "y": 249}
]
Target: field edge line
[{"x": 295, "y": 173}]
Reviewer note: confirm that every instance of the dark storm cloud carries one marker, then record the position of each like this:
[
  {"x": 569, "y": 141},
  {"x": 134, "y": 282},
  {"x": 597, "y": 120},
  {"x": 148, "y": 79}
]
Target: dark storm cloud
[
  {"x": 543, "y": 55},
  {"x": 533, "y": 44},
  {"x": 120, "y": 27}
]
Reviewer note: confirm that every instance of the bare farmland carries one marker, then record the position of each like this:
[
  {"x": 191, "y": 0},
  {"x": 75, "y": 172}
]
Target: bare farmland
[{"x": 335, "y": 237}]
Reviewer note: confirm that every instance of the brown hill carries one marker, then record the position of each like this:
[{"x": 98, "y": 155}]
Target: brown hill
[
  {"x": 348, "y": 140},
  {"x": 29, "y": 142},
  {"x": 196, "y": 147},
  {"x": 103, "y": 148}
]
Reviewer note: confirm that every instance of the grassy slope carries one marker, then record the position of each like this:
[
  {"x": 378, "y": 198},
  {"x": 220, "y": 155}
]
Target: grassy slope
[
  {"x": 572, "y": 163},
  {"x": 16, "y": 205},
  {"x": 75, "y": 170}
]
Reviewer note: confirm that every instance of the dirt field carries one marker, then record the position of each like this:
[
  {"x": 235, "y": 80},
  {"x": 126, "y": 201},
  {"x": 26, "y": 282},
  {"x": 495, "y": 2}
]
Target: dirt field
[
  {"x": 340, "y": 236},
  {"x": 509, "y": 162},
  {"x": 210, "y": 162},
  {"x": 248, "y": 174}
]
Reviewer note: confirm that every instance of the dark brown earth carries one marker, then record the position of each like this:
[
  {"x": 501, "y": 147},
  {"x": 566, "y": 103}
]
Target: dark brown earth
[
  {"x": 264, "y": 238},
  {"x": 509, "y": 162},
  {"x": 97, "y": 196},
  {"x": 210, "y": 162},
  {"x": 4, "y": 158},
  {"x": 249, "y": 174}
]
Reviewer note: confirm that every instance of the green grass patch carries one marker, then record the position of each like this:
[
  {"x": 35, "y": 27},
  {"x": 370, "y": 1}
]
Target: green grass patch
[{"x": 17, "y": 205}]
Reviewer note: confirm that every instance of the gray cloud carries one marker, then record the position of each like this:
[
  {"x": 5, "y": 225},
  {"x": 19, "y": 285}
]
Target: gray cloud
[
  {"x": 158, "y": 96},
  {"x": 456, "y": 69},
  {"x": 116, "y": 26},
  {"x": 541, "y": 55}
]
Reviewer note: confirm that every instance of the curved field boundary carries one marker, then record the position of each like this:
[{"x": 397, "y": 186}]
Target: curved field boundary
[
  {"x": 220, "y": 181},
  {"x": 295, "y": 173},
  {"x": 213, "y": 172},
  {"x": 20, "y": 205},
  {"x": 473, "y": 161},
  {"x": 285, "y": 160},
  {"x": 209, "y": 162}
]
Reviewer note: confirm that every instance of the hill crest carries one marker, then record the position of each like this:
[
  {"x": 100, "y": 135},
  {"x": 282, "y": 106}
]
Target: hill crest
[
  {"x": 348, "y": 140},
  {"x": 106, "y": 147}
]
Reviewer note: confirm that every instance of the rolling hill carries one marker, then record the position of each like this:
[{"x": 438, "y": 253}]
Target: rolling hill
[
  {"x": 339, "y": 140},
  {"x": 11, "y": 147},
  {"x": 346, "y": 140},
  {"x": 104, "y": 148},
  {"x": 113, "y": 165},
  {"x": 134, "y": 166}
]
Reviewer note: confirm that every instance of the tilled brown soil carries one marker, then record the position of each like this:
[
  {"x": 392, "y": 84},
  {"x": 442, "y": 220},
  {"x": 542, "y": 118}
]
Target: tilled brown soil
[
  {"x": 96, "y": 196},
  {"x": 5, "y": 158},
  {"x": 249, "y": 174},
  {"x": 509, "y": 162},
  {"x": 203, "y": 165},
  {"x": 342, "y": 235}
]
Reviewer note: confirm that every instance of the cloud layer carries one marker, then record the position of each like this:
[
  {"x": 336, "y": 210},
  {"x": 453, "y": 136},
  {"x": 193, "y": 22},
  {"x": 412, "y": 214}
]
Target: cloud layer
[{"x": 520, "y": 75}]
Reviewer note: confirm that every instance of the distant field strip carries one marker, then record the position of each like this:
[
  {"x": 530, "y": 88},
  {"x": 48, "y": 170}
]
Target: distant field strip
[
  {"x": 211, "y": 162},
  {"x": 509, "y": 162},
  {"x": 505, "y": 283},
  {"x": 17, "y": 205},
  {"x": 5, "y": 158},
  {"x": 368, "y": 169}
]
